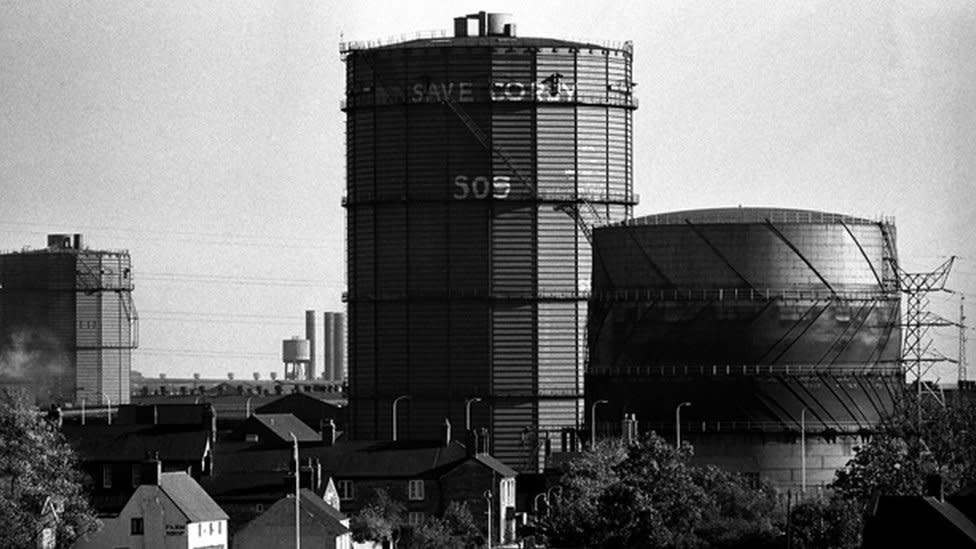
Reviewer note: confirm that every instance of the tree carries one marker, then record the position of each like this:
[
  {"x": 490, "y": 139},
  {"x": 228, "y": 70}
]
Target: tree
[
  {"x": 455, "y": 530},
  {"x": 649, "y": 495},
  {"x": 897, "y": 459},
  {"x": 380, "y": 520},
  {"x": 38, "y": 473},
  {"x": 833, "y": 523}
]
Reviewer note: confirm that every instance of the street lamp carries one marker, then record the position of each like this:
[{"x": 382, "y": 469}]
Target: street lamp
[
  {"x": 593, "y": 422},
  {"x": 803, "y": 451},
  {"x": 395, "y": 402},
  {"x": 535, "y": 502},
  {"x": 298, "y": 536},
  {"x": 109, "y": 401},
  {"x": 467, "y": 412},
  {"x": 487, "y": 495},
  {"x": 677, "y": 424}
]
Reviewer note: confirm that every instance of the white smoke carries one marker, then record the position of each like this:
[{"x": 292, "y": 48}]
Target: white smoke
[{"x": 35, "y": 360}]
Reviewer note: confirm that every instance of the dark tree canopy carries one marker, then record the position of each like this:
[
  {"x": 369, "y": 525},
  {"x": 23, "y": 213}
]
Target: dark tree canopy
[
  {"x": 649, "y": 495},
  {"x": 41, "y": 485}
]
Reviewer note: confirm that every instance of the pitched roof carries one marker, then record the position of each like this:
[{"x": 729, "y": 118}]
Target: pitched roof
[
  {"x": 131, "y": 442},
  {"x": 499, "y": 467},
  {"x": 318, "y": 517},
  {"x": 362, "y": 459},
  {"x": 190, "y": 498},
  {"x": 282, "y": 425}
]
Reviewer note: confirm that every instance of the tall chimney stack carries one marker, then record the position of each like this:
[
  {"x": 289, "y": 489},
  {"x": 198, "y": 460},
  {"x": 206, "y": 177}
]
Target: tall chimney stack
[{"x": 310, "y": 336}]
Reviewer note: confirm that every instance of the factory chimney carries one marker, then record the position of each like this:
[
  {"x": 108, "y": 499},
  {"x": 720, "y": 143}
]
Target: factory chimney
[{"x": 310, "y": 336}]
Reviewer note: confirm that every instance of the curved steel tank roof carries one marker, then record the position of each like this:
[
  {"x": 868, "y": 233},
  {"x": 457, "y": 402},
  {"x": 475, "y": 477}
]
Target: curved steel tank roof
[{"x": 744, "y": 286}]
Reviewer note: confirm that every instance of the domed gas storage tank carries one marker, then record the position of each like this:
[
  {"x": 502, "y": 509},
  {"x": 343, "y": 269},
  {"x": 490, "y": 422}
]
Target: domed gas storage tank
[{"x": 767, "y": 320}]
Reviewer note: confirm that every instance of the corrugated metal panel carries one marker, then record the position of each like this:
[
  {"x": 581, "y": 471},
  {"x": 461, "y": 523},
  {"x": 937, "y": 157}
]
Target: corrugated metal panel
[
  {"x": 429, "y": 338},
  {"x": 88, "y": 319},
  {"x": 361, "y": 155},
  {"x": 512, "y": 74},
  {"x": 362, "y": 252},
  {"x": 513, "y": 349},
  {"x": 391, "y": 250},
  {"x": 618, "y": 151},
  {"x": 556, "y": 414},
  {"x": 428, "y": 247},
  {"x": 468, "y": 248},
  {"x": 516, "y": 442},
  {"x": 469, "y": 348},
  {"x": 428, "y": 176},
  {"x": 363, "y": 337},
  {"x": 89, "y": 375},
  {"x": 558, "y": 365},
  {"x": 591, "y": 67},
  {"x": 112, "y": 314},
  {"x": 392, "y": 350},
  {"x": 556, "y": 251},
  {"x": 512, "y": 136},
  {"x": 559, "y": 66},
  {"x": 592, "y": 149},
  {"x": 556, "y": 149},
  {"x": 391, "y": 152},
  {"x": 512, "y": 249}
]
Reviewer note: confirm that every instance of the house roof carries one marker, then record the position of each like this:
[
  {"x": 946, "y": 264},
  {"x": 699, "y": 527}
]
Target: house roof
[
  {"x": 354, "y": 459},
  {"x": 132, "y": 442},
  {"x": 492, "y": 463},
  {"x": 301, "y": 397},
  {"x": 318, "y": 517},
  {"x": 319, "y": 507},
  {"x": 190, "y": 498},
  {"x": 282, "y": 425}
]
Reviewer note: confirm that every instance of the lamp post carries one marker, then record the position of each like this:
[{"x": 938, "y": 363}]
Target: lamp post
[
  {"x": 535, "y": 502},
  {"x": 677, "y": 424},
  {"x": 298, "y": 535},
  {"x": 82, "y": 410},
  {"x": 109, "y": 401},
  {"x": 803, "y": 451},
  {"x": 467, "y": 411},
  {"x": 593, "y": 422},
  {"x": 487, "y": 495},
  {"x": 395, "y": 402}
]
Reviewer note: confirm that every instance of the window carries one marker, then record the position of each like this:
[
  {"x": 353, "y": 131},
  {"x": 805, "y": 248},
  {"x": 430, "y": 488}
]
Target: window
[
  {"x": 415, "y": 490},
  {"x": 259, "y": 508},
  {"x": 137, "y": 527},
  {"x": 345, "y": 489},
  {"x": 107, "y": 476},
  {"x": 415, "y": 518},
  {"x": 251, "y": 437},
  {"x": 136, "y": 475},
  {"x": 507, "y": 489}
]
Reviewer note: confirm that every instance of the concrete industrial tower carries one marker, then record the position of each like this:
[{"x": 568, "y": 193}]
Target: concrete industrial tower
[
  {"x": 476, "y": 163},
  {"x": 67, "y": 322}
]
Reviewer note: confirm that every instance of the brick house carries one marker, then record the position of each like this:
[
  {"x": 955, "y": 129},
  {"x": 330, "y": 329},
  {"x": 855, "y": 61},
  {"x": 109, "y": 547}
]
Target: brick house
[
  {"x": 322, "y": 525},
  {"x": 167, "y": 510},
  {"x": 424, "y": 475}
]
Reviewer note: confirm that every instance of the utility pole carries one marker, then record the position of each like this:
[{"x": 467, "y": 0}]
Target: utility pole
[
  {"x": 963, "y": 374},
  {"x": 916, "y": 358}
]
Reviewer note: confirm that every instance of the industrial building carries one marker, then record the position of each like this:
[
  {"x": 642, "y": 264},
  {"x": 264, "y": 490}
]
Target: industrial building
[
  {"x": 67, "y": 322},
  {"x": 768, "y": 338},
  {"x": 475, "y": 165}
]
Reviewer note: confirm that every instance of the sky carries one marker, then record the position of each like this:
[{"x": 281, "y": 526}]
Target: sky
[{"x": 206, "y": 138}]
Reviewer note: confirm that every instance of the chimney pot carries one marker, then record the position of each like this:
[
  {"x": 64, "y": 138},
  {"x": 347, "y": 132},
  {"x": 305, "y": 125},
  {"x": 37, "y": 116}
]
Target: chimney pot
[
  {"x": 446, "y": 433},
  {"x": 328, "y": 432}
]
